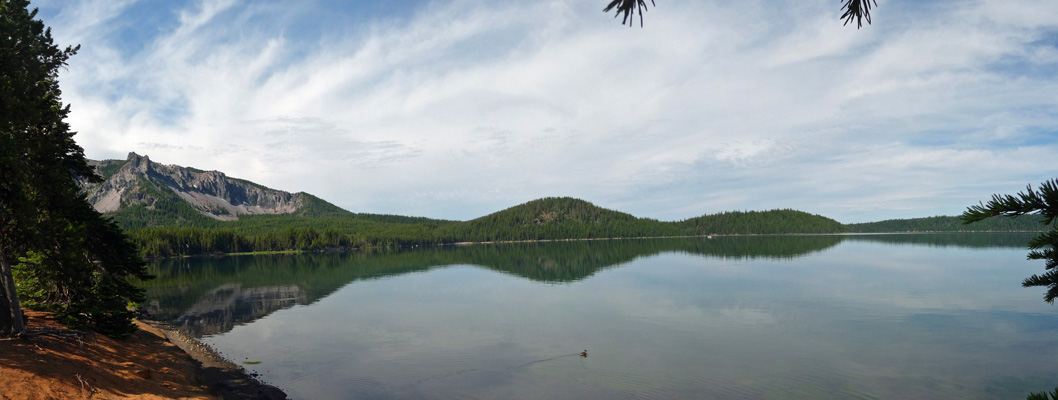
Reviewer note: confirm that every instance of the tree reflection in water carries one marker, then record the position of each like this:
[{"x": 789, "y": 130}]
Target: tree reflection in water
[{"x": 208, "y": 296}]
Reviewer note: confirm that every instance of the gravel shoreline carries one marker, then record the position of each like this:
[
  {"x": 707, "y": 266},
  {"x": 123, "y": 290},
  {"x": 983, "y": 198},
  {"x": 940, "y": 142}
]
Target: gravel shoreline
[{"x": 223, "y": 377}]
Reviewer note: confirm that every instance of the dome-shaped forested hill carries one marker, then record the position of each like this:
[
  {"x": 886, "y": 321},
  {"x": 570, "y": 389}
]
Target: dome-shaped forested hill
[
  {"x": 760, "y": 222},
  {"x": 557, "y": 218}
]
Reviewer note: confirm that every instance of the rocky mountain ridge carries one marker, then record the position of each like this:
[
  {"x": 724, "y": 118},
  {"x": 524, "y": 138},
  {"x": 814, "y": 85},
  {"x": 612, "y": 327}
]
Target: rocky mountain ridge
[{"x": 138, "y": 180}]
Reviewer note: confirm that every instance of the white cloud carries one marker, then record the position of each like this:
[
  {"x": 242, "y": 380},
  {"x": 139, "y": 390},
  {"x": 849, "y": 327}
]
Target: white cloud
[{"x": 460, "y": 109}]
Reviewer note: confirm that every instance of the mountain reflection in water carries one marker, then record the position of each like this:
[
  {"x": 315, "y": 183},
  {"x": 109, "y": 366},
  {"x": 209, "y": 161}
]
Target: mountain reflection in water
[
  {"x": 220, "y": 309},
  {"x": 209, "y": 296}
]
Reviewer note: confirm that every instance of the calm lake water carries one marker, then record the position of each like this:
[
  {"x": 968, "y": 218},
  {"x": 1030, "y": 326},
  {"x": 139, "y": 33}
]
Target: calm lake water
[{"x": 797, "y": 317}]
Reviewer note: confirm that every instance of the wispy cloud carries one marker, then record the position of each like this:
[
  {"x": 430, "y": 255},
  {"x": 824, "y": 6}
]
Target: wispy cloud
[{"x": 457, "y": 109}]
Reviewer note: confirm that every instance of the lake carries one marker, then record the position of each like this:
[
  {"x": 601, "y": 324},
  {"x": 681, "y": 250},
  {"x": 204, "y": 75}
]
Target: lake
[{"x": 781, "y": 317}]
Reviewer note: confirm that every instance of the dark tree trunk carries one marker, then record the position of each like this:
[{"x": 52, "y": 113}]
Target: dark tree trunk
[{"x": 10, "y": 311}]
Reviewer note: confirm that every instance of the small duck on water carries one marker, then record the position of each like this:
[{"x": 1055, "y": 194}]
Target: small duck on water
[{"x": 584, "y": 353}]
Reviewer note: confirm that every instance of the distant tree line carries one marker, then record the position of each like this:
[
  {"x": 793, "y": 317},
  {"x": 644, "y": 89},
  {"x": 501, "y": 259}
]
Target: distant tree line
[
  {"x": 1026, "y": 223},
  {"x": 174, "y": 228},
  {"x": 171, "y": 229}
]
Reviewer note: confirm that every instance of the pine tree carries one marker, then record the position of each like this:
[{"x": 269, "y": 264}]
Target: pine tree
[{"x": 68, "y": 257}]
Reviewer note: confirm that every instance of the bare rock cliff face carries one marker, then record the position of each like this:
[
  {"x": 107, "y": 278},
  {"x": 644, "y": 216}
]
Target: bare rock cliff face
[{"x": 138, "y": 180}]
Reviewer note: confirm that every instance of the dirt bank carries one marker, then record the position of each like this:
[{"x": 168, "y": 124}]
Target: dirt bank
[{"x": 153, "y": 363}]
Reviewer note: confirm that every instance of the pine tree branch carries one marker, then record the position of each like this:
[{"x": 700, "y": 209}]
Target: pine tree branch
[
  {"x": 859, "y": 10},
  {"x": 628, "y": 8}
]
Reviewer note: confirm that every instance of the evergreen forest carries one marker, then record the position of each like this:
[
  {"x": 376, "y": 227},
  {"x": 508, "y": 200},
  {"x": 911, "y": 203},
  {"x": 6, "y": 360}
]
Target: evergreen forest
[
  {"x": 173, "y": 228},
  {"x": 1024, "y": 223}
]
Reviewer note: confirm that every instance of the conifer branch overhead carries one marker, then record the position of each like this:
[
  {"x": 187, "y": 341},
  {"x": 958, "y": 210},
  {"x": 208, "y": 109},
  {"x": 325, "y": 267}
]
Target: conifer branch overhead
[
  {"x": 859, "y": 10},
  {"x": 628, "y": 8},
  {"x": 1044, "y": 202}
]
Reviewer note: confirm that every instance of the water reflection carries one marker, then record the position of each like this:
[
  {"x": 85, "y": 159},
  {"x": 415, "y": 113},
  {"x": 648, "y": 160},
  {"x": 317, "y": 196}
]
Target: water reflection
[
  {"x": 220, "y": 309},
  {"x": 964, "y": 240},
  {"x": 209, "y": 296},
  {"x": 857, "y": 320}
]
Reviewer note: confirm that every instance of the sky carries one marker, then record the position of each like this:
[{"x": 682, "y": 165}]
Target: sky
[{"x": 457, "y": 109}]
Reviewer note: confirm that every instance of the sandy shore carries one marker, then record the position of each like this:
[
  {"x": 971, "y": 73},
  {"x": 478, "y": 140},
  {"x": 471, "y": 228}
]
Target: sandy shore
[{"x": 154, "y": 363}]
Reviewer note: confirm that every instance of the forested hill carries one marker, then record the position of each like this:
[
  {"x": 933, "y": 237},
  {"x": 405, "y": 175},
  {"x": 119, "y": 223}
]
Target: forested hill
[
  {"x": 1025, "y": 223},
  {"x": 760, "y": 222},
  {"x": 557, "y": 218},
  {"x": 543, "y": 219},
  {"x": 569, "y": 218}
]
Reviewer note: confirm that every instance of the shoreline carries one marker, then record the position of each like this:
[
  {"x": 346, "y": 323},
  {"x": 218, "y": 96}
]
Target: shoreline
[
  {"x": 223, "y": 376},
  {"x": 472, "y": 243},
  {"x": 155, "y": 362}
]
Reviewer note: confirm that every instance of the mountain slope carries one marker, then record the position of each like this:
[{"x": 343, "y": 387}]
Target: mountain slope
[{"x": 153, "y": 194}]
